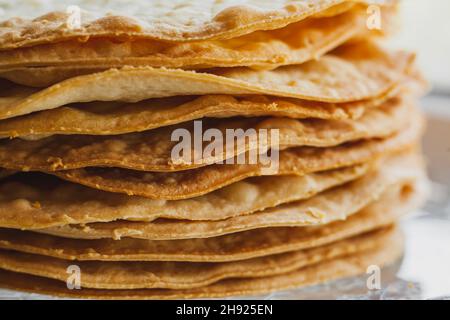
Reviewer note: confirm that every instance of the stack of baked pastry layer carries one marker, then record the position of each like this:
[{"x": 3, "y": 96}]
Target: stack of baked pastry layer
[{"x": 91, "y": 189}]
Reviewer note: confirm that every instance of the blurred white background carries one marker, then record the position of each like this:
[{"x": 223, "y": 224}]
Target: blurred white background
[{"x": 425, "y": 28}]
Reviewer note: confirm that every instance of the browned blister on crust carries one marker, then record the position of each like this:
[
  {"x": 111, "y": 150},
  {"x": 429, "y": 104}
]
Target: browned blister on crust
[
  {"x": 356, "y": 71},
  {"x": 232, "y": 247},
  {"x": 188, "y": 275},
  {"x": 152, "y": 150},
  {"x": 332, "y": 205}
]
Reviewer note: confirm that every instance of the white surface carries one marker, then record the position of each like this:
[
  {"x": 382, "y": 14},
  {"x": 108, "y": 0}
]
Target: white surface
[{"x": 427, "y": 258}]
